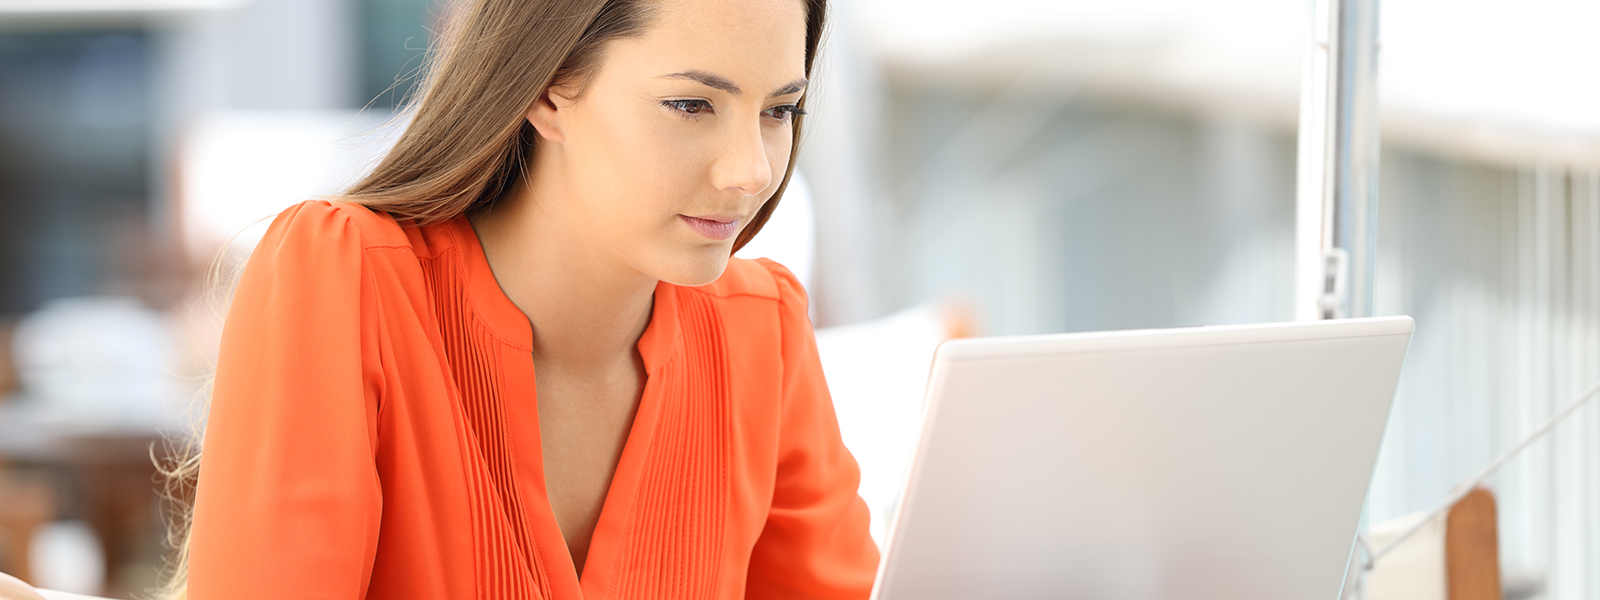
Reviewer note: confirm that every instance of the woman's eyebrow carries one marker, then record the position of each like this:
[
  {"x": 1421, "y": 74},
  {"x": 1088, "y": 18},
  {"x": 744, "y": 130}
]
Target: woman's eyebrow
[
  {"x": 715, "y": 81},
  {"x": 711, "y": 80},
  {"x": 794, "y": 87}
]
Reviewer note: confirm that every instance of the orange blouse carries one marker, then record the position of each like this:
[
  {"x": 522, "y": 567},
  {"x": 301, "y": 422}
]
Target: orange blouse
[{"x": 373, "y": 434}]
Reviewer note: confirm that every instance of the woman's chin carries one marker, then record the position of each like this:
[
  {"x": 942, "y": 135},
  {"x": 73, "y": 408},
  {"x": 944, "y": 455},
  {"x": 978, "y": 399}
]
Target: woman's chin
[{"x": 694, "y": 268}]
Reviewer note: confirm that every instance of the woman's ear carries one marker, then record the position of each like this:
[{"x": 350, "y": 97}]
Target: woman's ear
[{"x": 545, "y": 115}]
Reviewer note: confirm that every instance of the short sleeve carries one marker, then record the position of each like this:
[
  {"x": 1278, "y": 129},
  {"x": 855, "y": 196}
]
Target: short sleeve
[
  {"x": 288, "y": 501},
  {"x": 816, "y": 542}
]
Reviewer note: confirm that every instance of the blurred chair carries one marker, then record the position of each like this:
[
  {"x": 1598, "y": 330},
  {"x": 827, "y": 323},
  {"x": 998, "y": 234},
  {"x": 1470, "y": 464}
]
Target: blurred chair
[{"x": 1455, "y": 557}]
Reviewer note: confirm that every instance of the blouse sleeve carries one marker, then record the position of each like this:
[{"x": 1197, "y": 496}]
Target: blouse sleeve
[
  {"x": 816, "y": 542},
  {"x": 288, "y": 499}
]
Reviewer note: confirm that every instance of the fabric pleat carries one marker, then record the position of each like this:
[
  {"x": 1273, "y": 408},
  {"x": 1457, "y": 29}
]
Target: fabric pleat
[
  {"x": 508, "y": 560},
  {"x": 675, "y": 547}
]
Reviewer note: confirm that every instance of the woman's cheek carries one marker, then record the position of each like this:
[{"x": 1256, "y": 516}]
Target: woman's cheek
[
  {"x": 778, "y": 158},
  {"x": 644, "y": 167}
]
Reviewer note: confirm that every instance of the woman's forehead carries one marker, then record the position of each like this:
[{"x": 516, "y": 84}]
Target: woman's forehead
[{"x": 736, "y": 39}]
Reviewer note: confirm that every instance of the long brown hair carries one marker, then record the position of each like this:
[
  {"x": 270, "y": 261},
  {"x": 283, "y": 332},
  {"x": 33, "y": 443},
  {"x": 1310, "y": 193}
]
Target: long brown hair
[{"x": 467, "y": 141}]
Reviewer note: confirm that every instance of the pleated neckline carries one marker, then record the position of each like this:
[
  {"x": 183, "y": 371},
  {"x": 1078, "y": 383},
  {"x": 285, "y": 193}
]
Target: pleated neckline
[{"x": 659, "y": 344}]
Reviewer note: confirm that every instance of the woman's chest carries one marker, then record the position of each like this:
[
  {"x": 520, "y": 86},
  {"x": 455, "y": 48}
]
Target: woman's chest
[
  {"x": 691, "y": 470},
  {"x": 583, "y": 424}
]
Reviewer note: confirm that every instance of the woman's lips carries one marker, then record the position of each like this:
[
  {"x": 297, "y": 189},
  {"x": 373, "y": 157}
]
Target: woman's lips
[{"x": 716, "y": 227}]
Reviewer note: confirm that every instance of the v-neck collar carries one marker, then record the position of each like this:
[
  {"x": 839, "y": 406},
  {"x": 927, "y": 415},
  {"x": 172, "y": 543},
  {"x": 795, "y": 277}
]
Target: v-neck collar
[{"x": 658, "y": 345}]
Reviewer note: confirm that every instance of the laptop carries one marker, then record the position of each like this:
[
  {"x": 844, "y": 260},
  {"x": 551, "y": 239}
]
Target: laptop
[{"x": 1201, "y": 463}]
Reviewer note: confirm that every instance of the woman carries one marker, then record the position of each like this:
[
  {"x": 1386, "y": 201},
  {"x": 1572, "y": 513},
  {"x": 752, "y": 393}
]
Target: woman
[{"x": 519, "y": 361}]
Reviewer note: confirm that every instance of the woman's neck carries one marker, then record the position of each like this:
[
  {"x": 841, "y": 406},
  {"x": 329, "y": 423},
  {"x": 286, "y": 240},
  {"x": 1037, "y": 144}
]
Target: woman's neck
[{"x": 587, "y": 309}]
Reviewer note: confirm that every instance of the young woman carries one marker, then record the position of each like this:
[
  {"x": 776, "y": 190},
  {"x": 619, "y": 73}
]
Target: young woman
[{"x": 517, "y": 361}]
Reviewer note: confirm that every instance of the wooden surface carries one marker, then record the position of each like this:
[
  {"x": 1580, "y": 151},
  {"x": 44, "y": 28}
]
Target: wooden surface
[
  {"x": 1472, "y": 548},
  {"x": 26, "y": 503}
]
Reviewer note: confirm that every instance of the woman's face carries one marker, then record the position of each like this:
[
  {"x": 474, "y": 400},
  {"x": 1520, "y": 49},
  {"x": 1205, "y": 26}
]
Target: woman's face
[{"x": 678, "y": 138}]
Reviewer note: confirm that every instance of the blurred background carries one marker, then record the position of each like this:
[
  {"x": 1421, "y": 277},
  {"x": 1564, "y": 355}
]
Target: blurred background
[{"x": 1032, "y": 166}]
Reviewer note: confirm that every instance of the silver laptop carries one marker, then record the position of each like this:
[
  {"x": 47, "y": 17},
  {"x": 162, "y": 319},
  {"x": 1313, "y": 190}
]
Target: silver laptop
[{"x": 1193, "y": 463}]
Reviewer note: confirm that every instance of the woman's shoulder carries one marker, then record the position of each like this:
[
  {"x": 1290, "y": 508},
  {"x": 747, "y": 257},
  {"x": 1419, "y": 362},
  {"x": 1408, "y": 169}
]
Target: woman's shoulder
[
  {"x": 760, "y": 279},
  {"x": 326, "y": 222}
]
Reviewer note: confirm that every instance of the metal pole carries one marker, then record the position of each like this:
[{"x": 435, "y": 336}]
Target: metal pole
[
  {"x": 1336, "y": 196},
  {"x": 1337, "y": 187}
]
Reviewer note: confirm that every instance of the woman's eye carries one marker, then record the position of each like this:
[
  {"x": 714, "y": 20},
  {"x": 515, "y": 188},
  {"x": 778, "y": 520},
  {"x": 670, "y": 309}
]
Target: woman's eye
[
  {"x": 689, "y": 107},
  {"x": 785, "y": 112}
]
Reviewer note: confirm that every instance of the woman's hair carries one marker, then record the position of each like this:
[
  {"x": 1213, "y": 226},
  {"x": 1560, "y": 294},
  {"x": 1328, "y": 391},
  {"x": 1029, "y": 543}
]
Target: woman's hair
[{"x": 468, "y": 140}]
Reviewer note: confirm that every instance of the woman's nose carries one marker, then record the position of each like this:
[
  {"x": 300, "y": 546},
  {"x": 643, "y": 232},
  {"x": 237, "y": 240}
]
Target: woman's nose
[{"x": 743, "y": 166}]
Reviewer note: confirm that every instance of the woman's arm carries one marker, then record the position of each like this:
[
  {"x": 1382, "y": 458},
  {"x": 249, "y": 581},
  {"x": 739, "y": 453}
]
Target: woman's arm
[
  {"x": 288, "y": 500},
  {"x": 12, "y": 588},
  {"x": 816, "y": 543}
]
